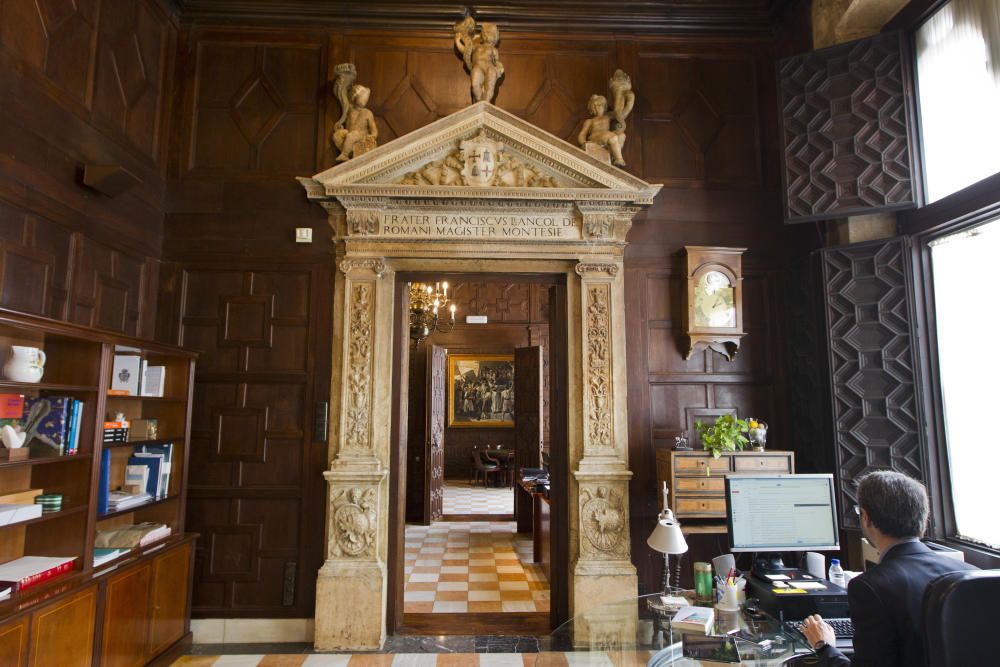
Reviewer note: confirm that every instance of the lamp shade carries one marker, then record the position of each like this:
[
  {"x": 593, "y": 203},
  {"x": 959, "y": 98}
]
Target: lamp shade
[{"x": 667, "y": 537}]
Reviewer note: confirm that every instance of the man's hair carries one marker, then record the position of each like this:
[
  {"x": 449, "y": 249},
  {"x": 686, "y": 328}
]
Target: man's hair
[{"x": 895, "y": 503}]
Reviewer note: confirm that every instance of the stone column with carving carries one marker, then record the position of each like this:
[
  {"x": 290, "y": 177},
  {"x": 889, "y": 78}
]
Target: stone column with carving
[
  {"x": 603, "y": 570},
  {"x": 351, "y": 585}
]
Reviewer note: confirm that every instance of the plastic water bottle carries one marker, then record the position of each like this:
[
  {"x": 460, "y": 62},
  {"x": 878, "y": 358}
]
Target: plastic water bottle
[{"x": 836, "y": 574}]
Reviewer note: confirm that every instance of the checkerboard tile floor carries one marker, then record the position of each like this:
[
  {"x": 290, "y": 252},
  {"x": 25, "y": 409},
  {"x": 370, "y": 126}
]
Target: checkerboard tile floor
[
  {"x": 470, "y": 567},
  {"x": 461, "y": 498}
]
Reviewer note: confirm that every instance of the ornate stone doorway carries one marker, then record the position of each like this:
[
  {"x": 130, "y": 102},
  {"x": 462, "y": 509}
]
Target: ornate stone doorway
[{"x": 407, "y": 207}]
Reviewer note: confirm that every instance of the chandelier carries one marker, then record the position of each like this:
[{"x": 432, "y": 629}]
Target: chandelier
[{"x": 425, "y": 301}]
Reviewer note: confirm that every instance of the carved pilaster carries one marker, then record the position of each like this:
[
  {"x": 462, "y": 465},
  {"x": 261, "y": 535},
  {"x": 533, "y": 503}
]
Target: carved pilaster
[
  {"x": 599, "y": 430},
  {"x": 374, "y": 264},
  {"x": 356, "y": 400}
]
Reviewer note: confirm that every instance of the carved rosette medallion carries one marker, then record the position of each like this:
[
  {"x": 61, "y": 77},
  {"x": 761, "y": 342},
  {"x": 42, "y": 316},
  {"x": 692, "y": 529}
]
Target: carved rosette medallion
[
  {"x": 354, "y": 514},
  {"x": 357, "y": 415},
  {"x": 599, "y": 367},
  {"x": 603, "y": 521}
]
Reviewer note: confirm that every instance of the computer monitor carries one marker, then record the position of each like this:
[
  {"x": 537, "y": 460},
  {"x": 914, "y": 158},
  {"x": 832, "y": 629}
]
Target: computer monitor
[{"x": 781, "y": 513}]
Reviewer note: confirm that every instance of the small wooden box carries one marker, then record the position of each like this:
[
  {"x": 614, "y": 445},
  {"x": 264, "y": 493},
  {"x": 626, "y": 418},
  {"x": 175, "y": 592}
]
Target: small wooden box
[
  {"x": 19, "y": 454},
  {"x": 26, "y": 497}
]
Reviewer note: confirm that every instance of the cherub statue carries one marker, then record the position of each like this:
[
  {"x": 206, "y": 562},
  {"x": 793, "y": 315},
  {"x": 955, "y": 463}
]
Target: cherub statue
[
  {"x": 355, "y": 133},
  {"x": 606, "y": 130},
  {"x": 597, "y": 130},
  {"x": 481, "y": 56}
]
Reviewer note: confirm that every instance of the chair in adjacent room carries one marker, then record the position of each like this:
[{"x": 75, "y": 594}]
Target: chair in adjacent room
[
  {"x": 484, "y": 466},
  {"x": 960, "y": 615}
]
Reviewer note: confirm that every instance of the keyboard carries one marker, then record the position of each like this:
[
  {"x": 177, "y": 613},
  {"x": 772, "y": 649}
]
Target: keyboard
[{"x": 843, "y": 628}]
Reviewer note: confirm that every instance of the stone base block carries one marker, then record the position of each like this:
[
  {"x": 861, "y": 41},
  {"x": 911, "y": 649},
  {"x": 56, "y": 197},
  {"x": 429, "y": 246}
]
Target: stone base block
[
  {"x": 350, "y": 606},
  {"x": 594, "y": 588},
  {"x": 605, "y": 613}
]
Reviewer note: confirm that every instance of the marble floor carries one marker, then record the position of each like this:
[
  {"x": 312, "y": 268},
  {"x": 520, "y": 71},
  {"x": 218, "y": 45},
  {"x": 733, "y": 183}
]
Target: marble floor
[
  {"x": 470, "y": 567},
  {"x": 460, "y": 497}
]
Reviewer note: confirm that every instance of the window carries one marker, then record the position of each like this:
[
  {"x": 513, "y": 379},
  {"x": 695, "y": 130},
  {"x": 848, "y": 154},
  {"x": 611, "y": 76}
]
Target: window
[
  {"x": 967, "y": 308},
  {"x": 958, "y": 72}
]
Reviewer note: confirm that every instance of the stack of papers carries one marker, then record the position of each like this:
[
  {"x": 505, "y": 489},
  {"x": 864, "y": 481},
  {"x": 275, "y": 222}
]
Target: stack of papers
[
  {"x": 119, "y": 500},
  {"x": 102, "y": 556}
]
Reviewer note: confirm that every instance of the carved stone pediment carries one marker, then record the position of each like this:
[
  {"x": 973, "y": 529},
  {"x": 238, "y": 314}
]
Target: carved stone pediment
[{"x": 567, "y": 171}]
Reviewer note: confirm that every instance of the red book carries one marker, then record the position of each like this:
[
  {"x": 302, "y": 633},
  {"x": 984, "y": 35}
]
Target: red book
[
  {"x": 23, "y": 573},
  {"x": 11, "y": 406}
]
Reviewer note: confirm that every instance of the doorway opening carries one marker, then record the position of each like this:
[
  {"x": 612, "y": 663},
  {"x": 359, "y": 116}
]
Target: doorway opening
[{"x": 478, "y": 526}]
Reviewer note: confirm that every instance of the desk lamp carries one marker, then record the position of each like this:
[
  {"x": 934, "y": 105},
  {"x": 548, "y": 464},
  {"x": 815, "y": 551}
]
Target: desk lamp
[{"x": 667, "y": 538}]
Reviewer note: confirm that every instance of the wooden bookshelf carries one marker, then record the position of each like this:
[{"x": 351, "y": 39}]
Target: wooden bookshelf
[{"x": 121, "y": 602}]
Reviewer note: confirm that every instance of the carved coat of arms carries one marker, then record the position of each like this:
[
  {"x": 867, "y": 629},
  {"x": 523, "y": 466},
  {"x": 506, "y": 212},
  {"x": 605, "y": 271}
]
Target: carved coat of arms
[{"x": 480, "y": 156}]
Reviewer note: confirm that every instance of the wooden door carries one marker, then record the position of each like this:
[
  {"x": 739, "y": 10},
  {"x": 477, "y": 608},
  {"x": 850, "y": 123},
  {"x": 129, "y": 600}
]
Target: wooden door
[
  {"x": 437, "y": 357},
  {"x": 170, "y": 598},
  {"x": 528, "y": 426},
  {"x": 126, "y": 618}
]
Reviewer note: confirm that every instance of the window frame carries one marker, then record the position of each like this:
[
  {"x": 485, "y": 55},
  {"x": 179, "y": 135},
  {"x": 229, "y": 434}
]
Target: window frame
[
  {"x": 962, "y": 210},
  {"x": 969, "y": 207}
]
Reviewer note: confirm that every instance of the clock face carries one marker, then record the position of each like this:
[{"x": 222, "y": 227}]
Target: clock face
[{"x": 714, "y": 302}]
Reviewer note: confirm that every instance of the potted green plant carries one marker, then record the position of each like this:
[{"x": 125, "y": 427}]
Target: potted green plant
[{"x": 728, "y": 434}]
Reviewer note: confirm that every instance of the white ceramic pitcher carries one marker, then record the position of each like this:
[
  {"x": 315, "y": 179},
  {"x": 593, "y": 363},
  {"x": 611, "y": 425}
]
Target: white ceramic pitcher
[{"x": 26, "y": 364}]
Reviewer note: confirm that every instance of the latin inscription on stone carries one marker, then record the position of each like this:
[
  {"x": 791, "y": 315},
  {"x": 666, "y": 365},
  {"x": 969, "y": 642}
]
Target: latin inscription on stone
[{"x": 499, "y": 226}]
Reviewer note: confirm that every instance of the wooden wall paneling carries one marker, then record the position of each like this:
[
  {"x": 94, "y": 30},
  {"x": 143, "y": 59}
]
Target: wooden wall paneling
[
  {"x": 252, "y": 437},
  {"x": 702, "y": 126},
  {"x": 14, "y": 641},
  {"x": 256, "y": 104},
  {"x": 131, "y": 66}
]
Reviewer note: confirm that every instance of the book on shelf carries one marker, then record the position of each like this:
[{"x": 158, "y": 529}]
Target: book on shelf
[
  {"x": 694, "y": 619},
  {"x": 163, "y": 451},
  {"x": 136, "y": 478},
  {"x": 11, "y": 407},
  {"x": 153, "y": 462},
  {"x": 104, "y": 482},
  {"x": 153, "y": 380},
  {"x": 116, "y": 431},
  {"x": 102, "y": 556},
  {"x": 46, "y": 422},
  {"x": 16, "y": 513},
  {"x": 23, "y": 573},
  {"x": 73, "y": 435},
  {"x": 129, "y": 537},
  {"x": 126, "y": 374}
]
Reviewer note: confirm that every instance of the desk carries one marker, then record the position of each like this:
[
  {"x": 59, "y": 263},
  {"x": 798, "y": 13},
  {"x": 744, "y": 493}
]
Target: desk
[{"x": 630, "y": 633}]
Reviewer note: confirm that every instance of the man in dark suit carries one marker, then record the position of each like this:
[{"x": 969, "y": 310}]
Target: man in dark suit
[{"x": 886, "y": 601}]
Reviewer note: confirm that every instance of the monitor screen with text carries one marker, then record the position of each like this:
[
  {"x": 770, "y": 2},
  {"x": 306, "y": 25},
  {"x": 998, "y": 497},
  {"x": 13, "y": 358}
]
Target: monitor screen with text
[{"x": 781, "y": 513}]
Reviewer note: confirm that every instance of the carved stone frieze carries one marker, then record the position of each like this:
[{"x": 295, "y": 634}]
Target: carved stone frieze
[
  {"x": 598, "y": 377},
  {"x": 603, "y": 521},
  {"x": 362, "y": 222},
  {"x": 354, "y": 518},
  {"x": 598, "y": 225},
  {"x": 361, "y": 338},
  {"x": 375, "y": 264},
  {"x": 583, "y": 268},
  {"x": 480, "y": 163}
]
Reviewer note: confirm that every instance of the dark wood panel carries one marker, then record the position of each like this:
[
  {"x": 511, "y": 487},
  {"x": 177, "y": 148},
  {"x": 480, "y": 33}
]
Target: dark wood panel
[
  {"x": 252, "y": 457},
  {"x": 126, "y": 618},
  {"x": 14, "y": 642}
]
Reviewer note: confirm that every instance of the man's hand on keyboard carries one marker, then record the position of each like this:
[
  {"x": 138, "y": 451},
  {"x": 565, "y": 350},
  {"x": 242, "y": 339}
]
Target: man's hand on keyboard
[{"x": 815, "y": 629}]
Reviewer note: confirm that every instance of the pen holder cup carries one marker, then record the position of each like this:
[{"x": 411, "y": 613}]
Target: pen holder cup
[{"x": 730, "y": 597}]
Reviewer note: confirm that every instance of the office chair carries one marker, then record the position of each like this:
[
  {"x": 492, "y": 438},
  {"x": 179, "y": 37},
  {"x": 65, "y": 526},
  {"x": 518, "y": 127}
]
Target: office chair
[{"x": 960, "y": 615}]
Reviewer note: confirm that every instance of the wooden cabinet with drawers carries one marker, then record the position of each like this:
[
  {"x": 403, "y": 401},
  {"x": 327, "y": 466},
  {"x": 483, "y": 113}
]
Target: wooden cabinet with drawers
[{"x": 697, "y": 480}]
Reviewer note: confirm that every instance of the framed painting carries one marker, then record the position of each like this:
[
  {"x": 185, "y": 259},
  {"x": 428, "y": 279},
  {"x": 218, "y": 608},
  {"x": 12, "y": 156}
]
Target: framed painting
[{"x": 481, "y": 390}]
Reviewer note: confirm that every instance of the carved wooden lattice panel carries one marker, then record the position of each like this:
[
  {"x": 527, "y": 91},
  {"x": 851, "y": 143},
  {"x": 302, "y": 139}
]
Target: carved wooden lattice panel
[
  {"x": 848, "y": 129},
  {"x": 437, "y": 358},
  {"x": 876, "y": 406}
]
